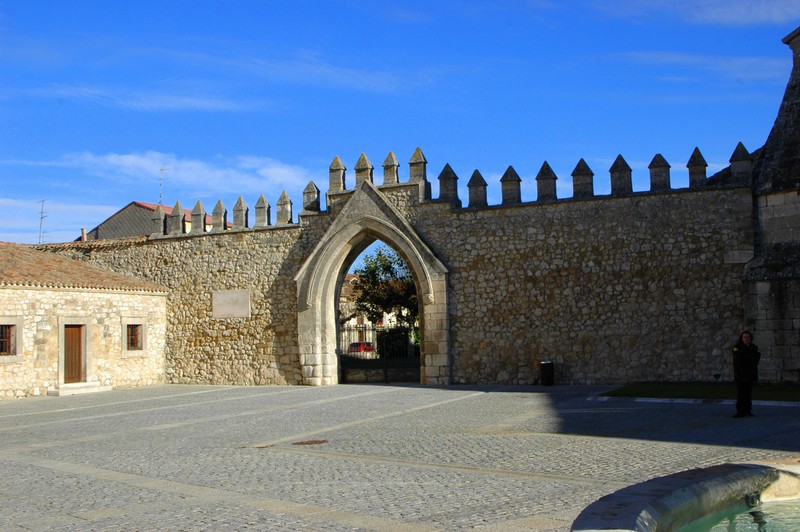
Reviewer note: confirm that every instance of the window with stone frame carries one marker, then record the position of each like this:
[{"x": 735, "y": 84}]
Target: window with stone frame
[
  {"x": 8, "y": 340},
  {"x": 134, "y": 337}
]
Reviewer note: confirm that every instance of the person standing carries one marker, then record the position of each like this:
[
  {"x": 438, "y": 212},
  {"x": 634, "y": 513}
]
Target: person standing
[{"x": 745, "y": 372}]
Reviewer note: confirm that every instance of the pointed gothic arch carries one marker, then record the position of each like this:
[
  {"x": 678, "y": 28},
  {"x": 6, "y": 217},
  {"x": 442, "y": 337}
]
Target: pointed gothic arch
[{"x": 365, "y": 218}]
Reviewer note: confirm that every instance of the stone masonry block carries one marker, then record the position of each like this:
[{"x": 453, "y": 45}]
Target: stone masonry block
[
  {"x": 311, "y": 360},
  {"x": 763, "y": 338},
  {"x": 788, "y": 210},
  {"x": 764, "y": 301},
  {"x": 762, "y": 288},
  {"x": 739, "y": 256},
  {"x": 781, "y": 235},
  {"x": 787, "y": 337},
  {"x": 773, "y": 200},
  {"x": 431, "y": 372},
  {"x": 794, "y": 354},
  {"x": 778, "y": 352},
  {"x": 435, "y": 335},
  {"x": 439, "y": 360}
]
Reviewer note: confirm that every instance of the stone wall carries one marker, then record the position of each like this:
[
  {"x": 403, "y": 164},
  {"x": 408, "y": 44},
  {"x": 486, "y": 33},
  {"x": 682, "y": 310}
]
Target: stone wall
[
  {"x": 201, "y": 349},
  {"x": 612, "y": 289},
  {"x": 774, "y": 319},
  {"x": 644, "y": 287},
  {"x": 772, "y": 279},
  {"x": 779, "y": 217},
  {"x": 41, "y": 314},
  {"x": 772, "y": 284}
]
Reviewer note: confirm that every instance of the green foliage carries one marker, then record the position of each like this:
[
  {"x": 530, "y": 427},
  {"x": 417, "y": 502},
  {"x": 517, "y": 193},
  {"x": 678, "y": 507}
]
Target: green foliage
[
  {"x": 705, "y": 390},
  {"x": 385, "y": 285}
]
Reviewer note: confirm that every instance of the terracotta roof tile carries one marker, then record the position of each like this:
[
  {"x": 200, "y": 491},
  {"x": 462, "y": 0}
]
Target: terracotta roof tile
[{"x": 21, "y": 265}]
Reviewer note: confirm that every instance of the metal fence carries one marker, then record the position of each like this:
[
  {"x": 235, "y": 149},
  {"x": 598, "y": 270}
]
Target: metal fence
[
  {"x": 379, "y": 354},
  {"x": 390, "y": 342},
  {"x": 352, "y": 334}
]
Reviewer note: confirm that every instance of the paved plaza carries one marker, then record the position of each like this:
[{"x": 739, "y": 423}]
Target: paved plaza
[{"x": 353, "y": 457}]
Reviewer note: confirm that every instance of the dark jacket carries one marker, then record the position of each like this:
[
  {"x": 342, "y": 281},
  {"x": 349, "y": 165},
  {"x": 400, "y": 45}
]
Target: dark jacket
[{"x": 745, "y": 362}]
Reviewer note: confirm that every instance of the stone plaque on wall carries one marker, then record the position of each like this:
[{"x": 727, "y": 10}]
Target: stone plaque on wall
[{"x": 230, "y": 304}]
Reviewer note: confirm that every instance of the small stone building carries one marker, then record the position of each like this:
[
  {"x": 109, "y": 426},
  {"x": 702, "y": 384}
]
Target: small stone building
[{"x": 68, "y": 327}]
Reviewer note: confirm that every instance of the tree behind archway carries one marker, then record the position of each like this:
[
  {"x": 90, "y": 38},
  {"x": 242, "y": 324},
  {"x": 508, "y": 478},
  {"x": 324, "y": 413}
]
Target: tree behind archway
[{"x": 385, "y": 286}]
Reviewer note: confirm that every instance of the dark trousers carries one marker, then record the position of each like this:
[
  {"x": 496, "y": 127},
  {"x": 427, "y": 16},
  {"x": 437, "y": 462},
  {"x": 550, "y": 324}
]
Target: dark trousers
[{"x": 744, "y": 398}]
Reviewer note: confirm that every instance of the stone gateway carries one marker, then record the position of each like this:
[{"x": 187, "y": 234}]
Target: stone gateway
[{"x": 633, "y": 286}]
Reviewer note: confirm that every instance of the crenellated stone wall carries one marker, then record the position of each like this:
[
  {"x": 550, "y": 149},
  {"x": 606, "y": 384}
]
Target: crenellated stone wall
[
  {"x": 636, "y": 286},
  {"x": 614, "y": 290}
]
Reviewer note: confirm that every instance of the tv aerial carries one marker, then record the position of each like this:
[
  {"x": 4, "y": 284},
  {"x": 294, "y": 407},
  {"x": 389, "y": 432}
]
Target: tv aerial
[{"x": 161, "y": 185}]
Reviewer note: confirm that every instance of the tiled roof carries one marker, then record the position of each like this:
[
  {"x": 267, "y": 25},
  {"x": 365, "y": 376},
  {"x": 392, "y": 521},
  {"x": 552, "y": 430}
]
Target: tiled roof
[
  {"x": 23, "y": 266},
  {"x": 136, "y": 219},
  {"x": 168, "y": 210}
]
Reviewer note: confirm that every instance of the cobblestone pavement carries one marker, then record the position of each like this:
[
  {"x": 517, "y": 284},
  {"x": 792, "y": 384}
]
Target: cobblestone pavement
[{"x": 352, "y": 457}]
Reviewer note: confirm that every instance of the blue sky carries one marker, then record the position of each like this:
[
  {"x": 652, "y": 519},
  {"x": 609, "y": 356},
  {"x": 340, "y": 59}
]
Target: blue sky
[{"x": 253, "y": 97}]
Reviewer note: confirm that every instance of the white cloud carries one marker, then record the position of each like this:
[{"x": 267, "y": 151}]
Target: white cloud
[
  {"x": 404, "y": 15},
  {"x": 307, "y": 68},
  {"x": 144, "y": 100},
  {"x": 721, "y": 12},
  {"x": 275, "y": 172},
  {"x": 29, "y": 221},
  {"x": 740, "y": 69},
  {"x": 190, "y": 179},
  {"x": 738, "y": 12},
  {"x": 182, "y": 102},
  {"x": 185, "y": 180}
]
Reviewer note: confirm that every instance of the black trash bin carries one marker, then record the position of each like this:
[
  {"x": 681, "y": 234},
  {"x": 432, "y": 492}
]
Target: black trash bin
[{"x": 547, "y": 372}]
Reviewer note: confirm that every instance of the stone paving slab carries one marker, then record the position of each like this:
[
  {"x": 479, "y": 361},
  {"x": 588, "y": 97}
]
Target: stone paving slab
[{"x": 375, "y": 457}]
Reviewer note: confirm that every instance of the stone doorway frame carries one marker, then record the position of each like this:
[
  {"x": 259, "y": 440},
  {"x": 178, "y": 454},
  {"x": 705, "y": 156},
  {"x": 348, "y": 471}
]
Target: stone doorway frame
[
  {"x": 85, "y": 347},
  {"x": 365, "y": 218}
]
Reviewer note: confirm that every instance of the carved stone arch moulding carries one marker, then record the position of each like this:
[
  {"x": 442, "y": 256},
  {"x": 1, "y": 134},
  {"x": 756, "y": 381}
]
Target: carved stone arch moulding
[{"x": 367, "y": 217}]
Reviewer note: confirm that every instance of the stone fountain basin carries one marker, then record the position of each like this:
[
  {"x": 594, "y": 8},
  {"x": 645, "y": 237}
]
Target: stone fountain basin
[{"x": 666, "y": 503}]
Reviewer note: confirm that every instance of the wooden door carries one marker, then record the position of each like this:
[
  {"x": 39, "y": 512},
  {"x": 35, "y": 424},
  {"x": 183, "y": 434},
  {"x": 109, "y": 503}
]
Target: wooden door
[{"x": 73, "y": 353}]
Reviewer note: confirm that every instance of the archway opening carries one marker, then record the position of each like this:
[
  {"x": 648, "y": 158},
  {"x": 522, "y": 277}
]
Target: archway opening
[
  {"x": 378, "y": 333},
  {"x": 365, "y": 218}
]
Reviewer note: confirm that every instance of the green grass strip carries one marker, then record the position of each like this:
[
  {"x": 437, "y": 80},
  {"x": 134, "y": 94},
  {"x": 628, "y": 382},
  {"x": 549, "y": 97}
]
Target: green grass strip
[{"x": 706, "y": 390}]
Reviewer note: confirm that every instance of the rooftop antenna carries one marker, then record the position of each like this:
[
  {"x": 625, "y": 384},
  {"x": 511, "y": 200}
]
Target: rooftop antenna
[
  {"x": 161, "y": 185},
  {"x": 42, "y": 216}
]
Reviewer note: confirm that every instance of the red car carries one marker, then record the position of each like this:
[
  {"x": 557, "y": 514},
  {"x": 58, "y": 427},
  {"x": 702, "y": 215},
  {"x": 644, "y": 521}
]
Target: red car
[
  {"x": 360, "y": 347},
  {"x": 363, "y": 350}
]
